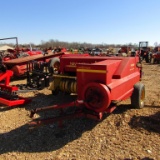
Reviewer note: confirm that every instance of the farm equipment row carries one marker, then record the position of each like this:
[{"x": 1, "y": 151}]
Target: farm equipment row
[
  {"x": 37, "y": 71},
  {"x": 17, "y": 59},
  {"x": 99, "y": 83}
]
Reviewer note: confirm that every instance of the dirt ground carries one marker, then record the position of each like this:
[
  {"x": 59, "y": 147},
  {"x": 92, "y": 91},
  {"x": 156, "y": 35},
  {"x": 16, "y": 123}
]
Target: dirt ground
[{"x": 125, "y": 134}]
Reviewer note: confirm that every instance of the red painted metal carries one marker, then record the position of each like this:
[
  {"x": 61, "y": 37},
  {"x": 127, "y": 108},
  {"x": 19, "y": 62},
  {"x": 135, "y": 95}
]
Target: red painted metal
[
  {"x": 9, "y": 91},
  {"x": 96, "y": 96},
  {"x": 101, "y": 82},
  {"x": 13, "y": 103},
  {"x": 6, "y": 76},
  {"x": 79, "y": 112}
]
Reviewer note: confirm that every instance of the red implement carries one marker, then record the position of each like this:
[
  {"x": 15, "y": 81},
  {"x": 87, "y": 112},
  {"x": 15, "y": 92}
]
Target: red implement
[
  {"x": 100, "y": 84},
  {"x": 8, "y": 94}
]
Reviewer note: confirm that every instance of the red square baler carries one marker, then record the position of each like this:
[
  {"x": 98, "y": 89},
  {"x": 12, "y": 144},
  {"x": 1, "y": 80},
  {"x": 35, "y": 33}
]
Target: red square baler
[{"x": 99, "y": 82}]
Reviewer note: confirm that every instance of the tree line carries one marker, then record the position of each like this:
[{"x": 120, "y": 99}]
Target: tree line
[{"x": 75, "y": 45}]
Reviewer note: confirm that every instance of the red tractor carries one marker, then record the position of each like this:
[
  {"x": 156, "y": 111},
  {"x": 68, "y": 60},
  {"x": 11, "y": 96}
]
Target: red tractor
[{"x": 100, "y": 84}]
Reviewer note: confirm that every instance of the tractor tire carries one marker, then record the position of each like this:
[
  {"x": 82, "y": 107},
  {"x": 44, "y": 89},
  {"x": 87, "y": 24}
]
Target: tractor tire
[
  {"x": 138, "y": 96},
  {"x": 54, "y": 65}
]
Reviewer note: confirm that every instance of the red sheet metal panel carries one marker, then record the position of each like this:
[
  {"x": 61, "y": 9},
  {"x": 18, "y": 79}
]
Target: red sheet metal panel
[{"x": 100, "y": 72}]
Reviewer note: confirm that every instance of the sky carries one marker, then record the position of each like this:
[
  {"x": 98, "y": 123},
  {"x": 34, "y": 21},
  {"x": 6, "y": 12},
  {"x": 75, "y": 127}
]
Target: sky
[{"x": 82, "y": 21}]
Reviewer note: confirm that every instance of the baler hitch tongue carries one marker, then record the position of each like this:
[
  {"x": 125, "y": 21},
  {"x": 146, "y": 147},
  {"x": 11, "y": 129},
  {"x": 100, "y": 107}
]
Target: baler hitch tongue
[
  {"x": 38, "y": 122},
  {"x": 79, "y": 111},
  {"x": 76, "y": 103}
]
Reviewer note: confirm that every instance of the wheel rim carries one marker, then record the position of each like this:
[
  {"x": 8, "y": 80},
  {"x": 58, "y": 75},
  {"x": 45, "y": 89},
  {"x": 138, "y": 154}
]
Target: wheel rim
[
  {"x": 56, "y": 67},
  {"x": 142, "y": 97}
]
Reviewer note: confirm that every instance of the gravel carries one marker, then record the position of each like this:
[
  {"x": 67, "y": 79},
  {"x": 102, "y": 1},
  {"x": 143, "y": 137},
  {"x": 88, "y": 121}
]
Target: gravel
[{"x": 125, "y": 134}]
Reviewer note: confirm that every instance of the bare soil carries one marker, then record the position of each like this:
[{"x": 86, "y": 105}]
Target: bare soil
[{"x": 127, "y": 133}]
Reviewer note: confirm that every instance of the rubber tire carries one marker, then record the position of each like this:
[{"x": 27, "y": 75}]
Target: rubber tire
[
  {"x": 138, "y": 96},
  {"x": 52, "y": 62}
]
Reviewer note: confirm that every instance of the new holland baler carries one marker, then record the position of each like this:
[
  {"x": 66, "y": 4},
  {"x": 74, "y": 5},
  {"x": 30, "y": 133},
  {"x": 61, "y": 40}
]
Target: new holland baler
[{"x": 99, "y": 82}]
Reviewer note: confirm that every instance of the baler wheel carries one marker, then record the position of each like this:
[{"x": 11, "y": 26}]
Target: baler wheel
[
  {"x": 54, "y": 65},
  {"x": 138, "y": 96},
  {"x": 96, "y": 97}
]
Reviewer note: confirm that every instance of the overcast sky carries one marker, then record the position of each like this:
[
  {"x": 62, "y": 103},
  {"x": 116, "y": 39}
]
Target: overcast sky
[{"x": 91, "y": 21}]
